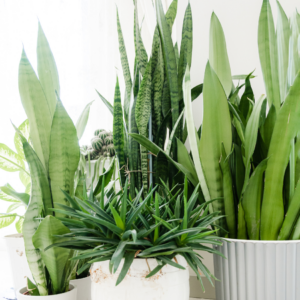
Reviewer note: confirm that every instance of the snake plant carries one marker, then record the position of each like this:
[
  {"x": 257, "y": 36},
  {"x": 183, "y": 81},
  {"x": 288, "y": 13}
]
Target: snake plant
[
  {"x": 246, "y": 154},
  {"x": 153, "y": 226},
  {"x": 153, "y": 99}
]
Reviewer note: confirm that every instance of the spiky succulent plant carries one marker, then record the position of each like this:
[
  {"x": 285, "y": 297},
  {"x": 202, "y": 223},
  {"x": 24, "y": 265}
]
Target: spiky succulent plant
[{"x": 150, "y": 226}]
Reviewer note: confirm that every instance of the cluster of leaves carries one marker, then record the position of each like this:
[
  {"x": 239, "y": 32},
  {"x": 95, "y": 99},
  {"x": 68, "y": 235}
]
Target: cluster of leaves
[
  {"x": 14, "y": 161},
  {"x": 157, "y": 226},
  {"x": 153, "y": 101},
  {"x": 244, "y": 156}
]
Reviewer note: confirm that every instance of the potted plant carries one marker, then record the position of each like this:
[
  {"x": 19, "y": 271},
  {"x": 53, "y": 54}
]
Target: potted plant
[
  {"x": 140, "y": 246},
  {"x": 247, "y": 156}
]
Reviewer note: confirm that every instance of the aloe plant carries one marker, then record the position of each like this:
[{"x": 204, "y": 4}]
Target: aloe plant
[
  {"x": 246, "y": 155},
  {"x": 153, "y": 226}
]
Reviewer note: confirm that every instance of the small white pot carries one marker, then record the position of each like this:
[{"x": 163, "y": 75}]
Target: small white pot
[
  {"x": 83, "y": 288},
  {"x": 258, "y": 270},
  {"x": 169, "y": 284},
  {"x": 70, "y": 295},
  {"x": 19, "y": 265}
]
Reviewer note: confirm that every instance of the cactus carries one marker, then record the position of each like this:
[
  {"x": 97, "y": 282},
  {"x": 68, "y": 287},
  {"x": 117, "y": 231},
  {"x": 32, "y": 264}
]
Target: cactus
[
  {"x": 96, "y": 133},
  {"x": 103, "y": 134},
  {"x": 97, "y": 143},
  {"x": 108, "y": 140},
  {"x": 111, "y": 149}
]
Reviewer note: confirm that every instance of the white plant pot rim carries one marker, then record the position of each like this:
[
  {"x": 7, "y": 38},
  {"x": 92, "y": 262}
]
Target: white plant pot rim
[
  {"x": 71, "y": 286},
  {"x": 262, "y": 241}
]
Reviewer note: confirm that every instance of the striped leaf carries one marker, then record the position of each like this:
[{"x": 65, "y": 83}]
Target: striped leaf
[
  {"x": 37, "y": 109},
  {"x": 171, "y": 13},
  {"x": 251, "y": 201},
  {"x": 268, "y": 54},
  {"x": 133, "y": 146},
  {"x": 125, "y": 67},
  {"x": 40, "y": 199},
  {"x": 64, "y": 155},
  {"x": 140, "y": 51},
  {"x": 283, "y": 37},
  {"x": 55, "y": 258},
  {"x": 118, "y": 130},
  {"x": 47, "y": 70},
  {"x": 186, "y": 48},
  {"x": 286, "y": 128},
  {"x": 169, "y": 59},
  {"x": 142, "y": 115},
  {"x": 218, "y": 56},
  {"x": 213, "y": 135}
]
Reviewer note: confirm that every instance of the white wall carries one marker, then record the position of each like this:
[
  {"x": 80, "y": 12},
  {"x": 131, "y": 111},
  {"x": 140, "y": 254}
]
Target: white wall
[{"x": 239, "y": 19}]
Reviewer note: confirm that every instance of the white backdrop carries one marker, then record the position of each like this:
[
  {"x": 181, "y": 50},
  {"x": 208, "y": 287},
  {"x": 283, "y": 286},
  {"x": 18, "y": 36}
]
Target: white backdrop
[{"x": 83, "y": 38}]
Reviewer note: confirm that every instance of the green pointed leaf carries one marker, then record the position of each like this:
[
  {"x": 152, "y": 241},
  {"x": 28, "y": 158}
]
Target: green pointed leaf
[
  {"x": 286, "y": 128},
  {"x": 268, "y": 54},
  {"x": 37, "y": 109},
  {"x": 192, "y": 134},
  {"x": 8, "y": 190},
  {"x": 64, "y": 155},
  {"x": 19, "y": 225},
  {"x": 47, "y": 70},
  {"x": 213, "y": 135},
  {"x": 142, "y": 115},
  {"x": 107, "y": 104},
  {"x": 118, "y": 129},
  {"x": 82, "y": 121},
  {"x": 129, "y": 257},
  {"x": 251, "y": 201},
  {"x": 55, "y": 259},
  {"x": 218, "y": 56},
  {"x": 283, "y": 37},
  {"x": 6, "y": 220}
]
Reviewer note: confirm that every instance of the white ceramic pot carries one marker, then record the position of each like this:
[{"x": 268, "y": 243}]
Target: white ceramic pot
[
  {"x": 168, "y": 284},
  {"x": 83, "y": 288},
  {"x": 70, "y": 295},
  {"x": 19, "y": 265},
  {"x": 258, "y": 270}
]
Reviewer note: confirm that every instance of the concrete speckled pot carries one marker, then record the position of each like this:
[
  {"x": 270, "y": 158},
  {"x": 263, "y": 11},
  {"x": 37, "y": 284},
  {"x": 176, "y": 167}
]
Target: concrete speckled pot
[
  {"x": 169, "y": 284},
  {"x": 70, "y": 295}
]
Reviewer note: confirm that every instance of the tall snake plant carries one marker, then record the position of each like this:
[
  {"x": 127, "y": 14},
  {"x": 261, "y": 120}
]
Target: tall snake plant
[
  {"x": 52, "y": 159},
  {"x": 153, "y": 101},
  {"x": 246, "y": 154}
]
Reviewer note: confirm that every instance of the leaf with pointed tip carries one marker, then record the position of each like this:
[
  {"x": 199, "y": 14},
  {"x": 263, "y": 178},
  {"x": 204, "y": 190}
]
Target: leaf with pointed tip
[
  {"x": 64, "y": 154},
  {"x": 10, "y": 161},
  {"x": 23, "y": 197},
  {"x": 268, "y": 54},
  {"x": 24, "y": 128},
  {"x": 107, "y": 104},
  {"x": 218, "y": 56},
  {"x": 82, "y": 121},
  {"x": 37, "y": 109}
]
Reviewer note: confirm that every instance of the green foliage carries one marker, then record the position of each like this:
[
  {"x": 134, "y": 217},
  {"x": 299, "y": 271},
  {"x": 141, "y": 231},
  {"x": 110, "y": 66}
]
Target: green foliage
[{"x": 150, "y": 226}]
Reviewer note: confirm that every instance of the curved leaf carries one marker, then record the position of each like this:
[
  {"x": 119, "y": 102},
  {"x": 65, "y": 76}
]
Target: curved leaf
[
  {"x": 64, "y": 154},
  {"x": 268, "y": 54},
  {"x": 286, "y": 128},
  {"x": 82, "y": 121},
  {"x": 47, "y": 71},
  {"x": 24, "y": 128},
  {"x": 218, "y": 56},
  {"x": 251, "y": 201},
  {"x": 37, "y": 109}
]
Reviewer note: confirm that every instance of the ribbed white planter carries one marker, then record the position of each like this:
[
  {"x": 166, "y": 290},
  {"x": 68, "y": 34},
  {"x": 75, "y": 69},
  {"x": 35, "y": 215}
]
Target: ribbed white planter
[
  {"x": 19, "y": 266},
  {"x": 258, "y": 270},
  {"x": 70, "y": 295},
  {"x": 169, "y": 284},
  {"x": 83, "y": 288}
]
